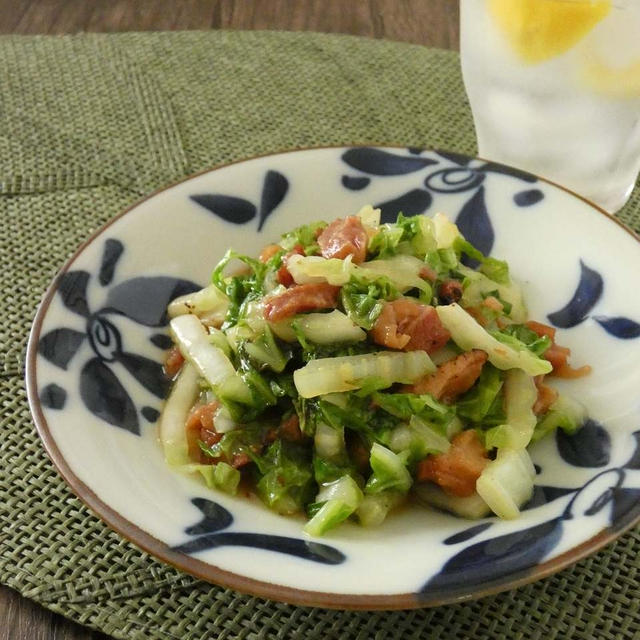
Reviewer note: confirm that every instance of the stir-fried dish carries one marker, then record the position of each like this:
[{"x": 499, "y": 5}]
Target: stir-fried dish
[{"x": 355, "y": 365}]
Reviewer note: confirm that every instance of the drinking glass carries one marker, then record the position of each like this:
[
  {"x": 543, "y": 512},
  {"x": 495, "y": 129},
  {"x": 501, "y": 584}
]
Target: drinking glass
[{"x": 554, "y": 87}]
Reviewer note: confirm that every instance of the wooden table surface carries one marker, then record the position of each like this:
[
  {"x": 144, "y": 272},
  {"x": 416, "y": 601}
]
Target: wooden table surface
[{"x": 428, "y": 22}]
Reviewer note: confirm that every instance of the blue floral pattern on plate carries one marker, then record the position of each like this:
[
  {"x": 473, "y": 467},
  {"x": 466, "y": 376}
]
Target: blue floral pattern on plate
[
  {"x": 142, "y": 299},
  {"x": 97, "y": 349}
]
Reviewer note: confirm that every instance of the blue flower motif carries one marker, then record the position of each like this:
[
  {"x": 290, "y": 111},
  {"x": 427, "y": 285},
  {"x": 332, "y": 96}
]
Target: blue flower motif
[
  {"x": 142, "y": 299},
  {"x": 456, "y": 176}
]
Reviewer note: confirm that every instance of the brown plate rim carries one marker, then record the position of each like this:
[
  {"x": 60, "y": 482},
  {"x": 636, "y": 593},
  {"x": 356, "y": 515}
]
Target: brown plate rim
[{"x": 243, "y": 584}]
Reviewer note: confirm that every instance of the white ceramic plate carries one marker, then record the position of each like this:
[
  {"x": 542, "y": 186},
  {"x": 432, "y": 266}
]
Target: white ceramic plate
[{"x": 95, "y": 383}]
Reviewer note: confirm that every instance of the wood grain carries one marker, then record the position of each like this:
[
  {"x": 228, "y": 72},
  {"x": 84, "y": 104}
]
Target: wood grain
[
  {"x": 21, "y": 619},
  {"x": 427, "y": 22}
]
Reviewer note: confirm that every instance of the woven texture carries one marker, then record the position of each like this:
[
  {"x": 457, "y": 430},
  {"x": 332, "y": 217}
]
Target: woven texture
[{"x": 90, "y": 123}]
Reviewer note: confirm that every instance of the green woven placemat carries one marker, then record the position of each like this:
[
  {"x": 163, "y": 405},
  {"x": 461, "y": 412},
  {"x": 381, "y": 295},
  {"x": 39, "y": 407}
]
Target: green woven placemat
[{"x": 88, "y": 124}]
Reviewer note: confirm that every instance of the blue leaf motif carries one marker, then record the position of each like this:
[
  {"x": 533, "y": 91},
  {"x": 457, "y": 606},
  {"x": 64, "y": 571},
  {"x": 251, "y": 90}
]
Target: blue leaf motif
[
  {"x": 72, "y": 287},
  {"x": 475, "y": 225},
  {"x": 634, "y": 460},
  {"x": 585, "y": 297},
  {"x": 620, "y": 327},
  {"x": 305, "y": 549},
  {"x": 467, "y": 534},
  {"x": 112, "y": 251},
  {"x": 274, "y": 190},
  {"x": 229, "y": 208},
  {"x": 150, "y": 414},
  {"x": 105, "y": 397},
  {"x": 528, "y": 198},
  {"x": 626, "y": 507},
  {"x": 355, "y": 183},
  {"x": 382, "y": 163},
  {"x": 60, "y": 345},
  {"x": 543, "y": 495},
  {"x": 145, "y": 299},
  {"x": 457, "y": 158},
  {"x": 148, "y": 373},
  {"x": 161, "y": 340},
  {"x": 53, "y": 396},
  {"x": 589, "y": 446},
  {"x": 496, "y": 167},
  {"x": 484, "y": 562},
  {"x": 410, "y": 204},
  {"x": 215, "y": 517}
]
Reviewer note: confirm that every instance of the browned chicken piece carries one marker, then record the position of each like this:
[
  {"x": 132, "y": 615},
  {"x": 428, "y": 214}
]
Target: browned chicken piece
[
  {"x": 344, "y": 237},
  {"x": 173, "y": 362},
  {"x": 283, "y": 276},
  {"x": 301, "y": 298},
  {"x": 557, "y": 355},
  {"x": 200, "y": 426},
  {"x": 452, "y": 378},
  {"x": 404, "y": 324},
  {"x": 457, "y": 470}
]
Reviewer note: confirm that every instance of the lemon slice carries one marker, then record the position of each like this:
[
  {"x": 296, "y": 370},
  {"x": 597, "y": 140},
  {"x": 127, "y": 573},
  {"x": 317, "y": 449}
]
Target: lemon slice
[{"x": 542, "y": 29}]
